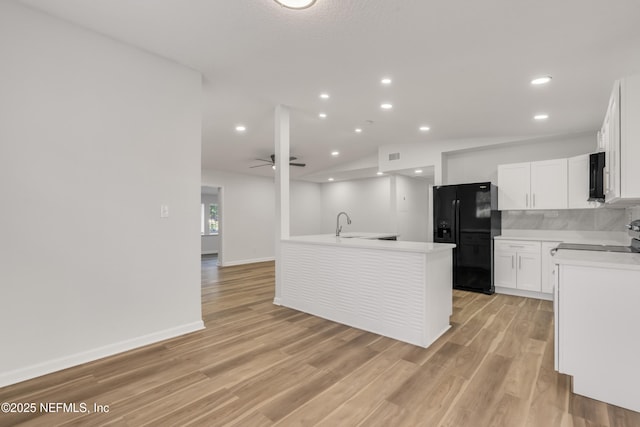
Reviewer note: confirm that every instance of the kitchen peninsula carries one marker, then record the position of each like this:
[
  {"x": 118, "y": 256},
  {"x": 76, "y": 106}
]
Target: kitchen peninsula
[{"x": 398, "y": 289}]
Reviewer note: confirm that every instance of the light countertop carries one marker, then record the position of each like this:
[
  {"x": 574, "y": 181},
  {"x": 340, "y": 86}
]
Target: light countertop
[
  {"x": 585, "y": 237},
  {"x": 366, "y": 241},
  {"x": 366, "y": 235},
  {"x": 617, "y": 260}
]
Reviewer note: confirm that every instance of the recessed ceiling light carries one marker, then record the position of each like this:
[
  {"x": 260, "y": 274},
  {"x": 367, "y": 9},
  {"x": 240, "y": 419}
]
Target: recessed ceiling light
[
  {"x": 241, "y": 128},
  {"x": 330, "y": 179},
  {"x": 335, "y": 153},
  {"x": 424, "y": 128},
  {"x": 324, "y": 95},
  {"x": 386, "y": 106},
  {"x": 295, "y": 4},
  {"x": 380, "y": 173},
  {"x": 541, "y": 80},
  {"x": 418, "y": 171},
  {"x": 322, "y": 115},
  {"x": 541, "y": 116},
  {"x": 386, "y": 81},
  {"x": 358, "y": 130}
]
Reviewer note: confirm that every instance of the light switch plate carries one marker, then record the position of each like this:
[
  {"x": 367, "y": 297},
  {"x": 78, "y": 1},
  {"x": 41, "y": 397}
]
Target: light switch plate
[{"x": 164, "y": 211}]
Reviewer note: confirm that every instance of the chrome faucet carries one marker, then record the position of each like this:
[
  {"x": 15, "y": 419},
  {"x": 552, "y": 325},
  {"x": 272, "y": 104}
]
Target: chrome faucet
[{"x": 338, "y": 226}]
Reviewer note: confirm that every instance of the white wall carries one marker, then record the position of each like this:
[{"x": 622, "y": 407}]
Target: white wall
[
  {"x": 367, "y": 201},
  {"x": 94, "y": 137},
  {"x": 248, "y": 206},
  {"x": 481, "y": 164},
  {"x": 248, "y": 216},
  {"x": 412, "y": 195},
  {"x": 429, "y": 154},
  {"x": 305, "y": 200},
  {"x": 209, "y": 243},
  {"x": 436, "y": 154}
]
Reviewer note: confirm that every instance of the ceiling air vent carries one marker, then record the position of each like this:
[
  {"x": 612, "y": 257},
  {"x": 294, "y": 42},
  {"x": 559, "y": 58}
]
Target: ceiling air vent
[{"x": 394, "y": 156}]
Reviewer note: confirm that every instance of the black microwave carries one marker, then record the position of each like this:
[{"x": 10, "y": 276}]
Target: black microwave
[{"x": 596, "y": 177}]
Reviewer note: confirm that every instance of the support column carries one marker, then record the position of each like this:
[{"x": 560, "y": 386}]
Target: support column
[{"x": 281, "y": 190}]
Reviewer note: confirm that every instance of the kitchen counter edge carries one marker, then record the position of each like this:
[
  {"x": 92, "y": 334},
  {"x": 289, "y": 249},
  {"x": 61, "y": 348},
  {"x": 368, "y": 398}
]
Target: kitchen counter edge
[{"x": 367, "y": 243}]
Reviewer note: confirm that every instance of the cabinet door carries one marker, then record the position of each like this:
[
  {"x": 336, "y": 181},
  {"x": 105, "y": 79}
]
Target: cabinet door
[
  {"x": 504, "y": 272},
  {"x": 578, "y": 173},
  {"x": 547, "y": 267},
  {"x": 549, "y": 184},
  {"x": 611, "y": 136},
  {"x": 600, "y": 141},
  {"x": 514, "y": 183},
  {"x": 528, "y": 271},
  {"x": 629, "y": 137}
]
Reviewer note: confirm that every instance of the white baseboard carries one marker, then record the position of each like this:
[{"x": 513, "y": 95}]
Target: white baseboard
[
  {"x": 246, "y": 261},
  {"x": 33, "y": 371},
  {"x": 277, "y": 301},
  {"x": 523, "y": 293}
]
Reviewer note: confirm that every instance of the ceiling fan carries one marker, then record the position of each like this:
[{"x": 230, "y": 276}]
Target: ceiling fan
[{"x": 272, "y": 162}]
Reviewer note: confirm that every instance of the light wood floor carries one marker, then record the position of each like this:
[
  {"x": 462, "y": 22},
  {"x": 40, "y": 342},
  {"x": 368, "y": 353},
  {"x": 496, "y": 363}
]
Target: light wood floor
[{"x": 257, "y": 364}]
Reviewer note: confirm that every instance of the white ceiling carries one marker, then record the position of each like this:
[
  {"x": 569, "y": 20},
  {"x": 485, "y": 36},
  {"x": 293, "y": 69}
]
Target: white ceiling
[{"x": 461, "y": 67}]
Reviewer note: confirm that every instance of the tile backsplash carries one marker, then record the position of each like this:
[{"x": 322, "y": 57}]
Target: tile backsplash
[{"x": 570, "y": 219}]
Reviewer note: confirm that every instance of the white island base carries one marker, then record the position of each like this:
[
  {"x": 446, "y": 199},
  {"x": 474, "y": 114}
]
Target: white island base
[{"x": 402, "y": 290}]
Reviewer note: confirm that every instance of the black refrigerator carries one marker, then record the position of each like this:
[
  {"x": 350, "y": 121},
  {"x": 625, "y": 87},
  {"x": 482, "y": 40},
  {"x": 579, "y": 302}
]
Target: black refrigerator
[{"x": 467, "y": 215}]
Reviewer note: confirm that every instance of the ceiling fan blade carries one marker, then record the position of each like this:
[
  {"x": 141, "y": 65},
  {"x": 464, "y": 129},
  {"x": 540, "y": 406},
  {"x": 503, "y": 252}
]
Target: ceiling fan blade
[
  {"x": 265, "y": 160},
  {"x": 259, "y": 166},
  {"x": 273, "y": 158},
  {"x": 298, "y": 164}
]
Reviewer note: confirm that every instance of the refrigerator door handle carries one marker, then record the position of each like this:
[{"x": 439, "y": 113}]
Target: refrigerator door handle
[
  {"x": 454, "y": 219},
  {"x": 457, "y": 231}
]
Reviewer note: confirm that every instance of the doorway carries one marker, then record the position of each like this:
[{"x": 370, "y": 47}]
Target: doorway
[{"x": 211, "y": 222}]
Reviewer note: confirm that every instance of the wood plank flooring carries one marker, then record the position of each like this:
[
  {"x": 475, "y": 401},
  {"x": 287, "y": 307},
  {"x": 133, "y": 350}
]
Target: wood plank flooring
[{"x": 257, "y": 364}]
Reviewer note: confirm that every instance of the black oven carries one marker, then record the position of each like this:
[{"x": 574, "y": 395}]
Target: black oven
[{"x": 596, "y": 177}]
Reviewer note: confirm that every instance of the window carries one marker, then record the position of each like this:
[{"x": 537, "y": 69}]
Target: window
[
  {"x": 201, "y": 218},
  {"x": 213, "y": 219},
  {"x": 209, "y": 222}
]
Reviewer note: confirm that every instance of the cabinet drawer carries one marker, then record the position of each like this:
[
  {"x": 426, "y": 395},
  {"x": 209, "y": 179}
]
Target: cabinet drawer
[{"x": 517, "y": 246}]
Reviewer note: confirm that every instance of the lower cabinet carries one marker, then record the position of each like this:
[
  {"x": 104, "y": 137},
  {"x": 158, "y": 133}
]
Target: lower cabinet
[
  {"x": 596, "y": 330},
  {"x": 517, "y": 265},
  {"x": 547, "y": 267}
]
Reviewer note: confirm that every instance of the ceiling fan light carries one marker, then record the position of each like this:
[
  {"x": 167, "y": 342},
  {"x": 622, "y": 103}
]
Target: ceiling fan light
[{"x": 295, "y": 4}]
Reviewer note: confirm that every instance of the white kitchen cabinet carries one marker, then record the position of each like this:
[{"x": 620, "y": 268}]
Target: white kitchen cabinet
[
  {"x": 619, "y": 137},
  {"x": 549, "y": 184},
  {"x": 534, "y": 185},
  {"x": 514, "y": 186},
  {"x": 578, "y": 180},
  {"x": 517, "y": 265},
  {"x": 610, "y": 134},
  {"x": 504, "y": 268},
  {"x": 547, "y": 276},
  {"x": 596, "y": 325}
]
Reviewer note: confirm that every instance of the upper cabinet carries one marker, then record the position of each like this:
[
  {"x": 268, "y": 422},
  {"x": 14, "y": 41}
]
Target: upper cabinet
[
  {"x": 514, "y": 186},
  {"x": 535, "y": 185},
  {"x": 619, "y": 138},
  {"x": 549, "y": 184}
]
